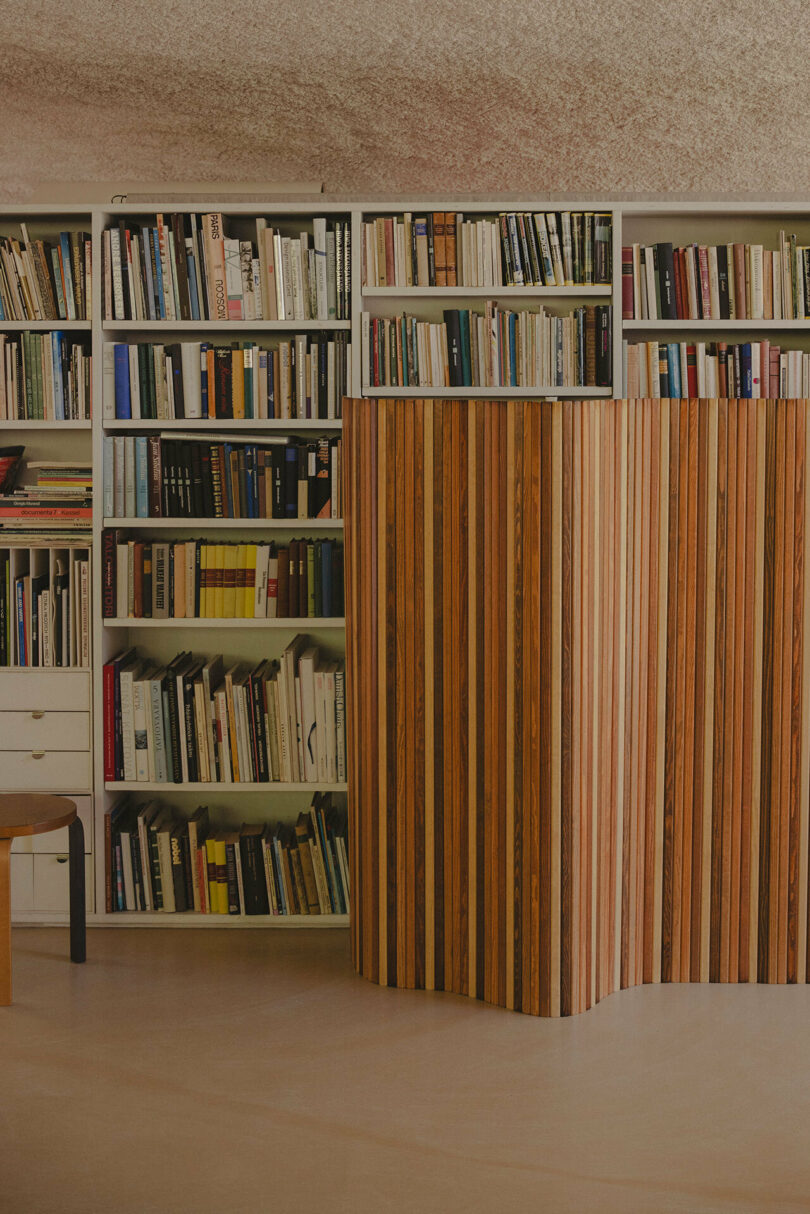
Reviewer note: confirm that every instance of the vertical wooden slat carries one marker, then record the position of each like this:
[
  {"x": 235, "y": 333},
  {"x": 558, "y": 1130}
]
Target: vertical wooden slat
[
  {"x": 796, "y": 663},
  {"x": 664, "y": 525},
  {"x": 509, "y": 656},
  {"x": 709, "y": 698},
  {"x": 555, "y": 824},
  {"x": 785, "y": 790},
  {"x": 690, "y": 715},
  {"x": 804, "y": 788},
  {"x": 754, "y": 939},
  {"x": 430, "y": 754}
]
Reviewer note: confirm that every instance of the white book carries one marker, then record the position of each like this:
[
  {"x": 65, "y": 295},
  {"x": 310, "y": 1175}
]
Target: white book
[
  {"x": 121, "y": 580},
  {"x": 714, "y": 282},
  {"x": 340, "y": 721},
  {"x": 192, "y": 378},
  {"x": 319, "y": 242},
  {"x": 117, "y": 280},
  {"x": 296, "y": 279},
  {"x": 146, "y": 866},
  {"x": 311, "y": 742},
  {"x": 119, "y": 460},
  {"x": 140, "y": 697},
  {"x": 129, "y": 476},
  {"x": 757, "y": 301},
  {"x": 328, "y": 712}
]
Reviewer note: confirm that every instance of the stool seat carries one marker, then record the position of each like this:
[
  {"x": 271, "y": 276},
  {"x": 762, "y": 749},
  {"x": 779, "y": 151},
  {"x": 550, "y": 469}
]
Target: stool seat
[{"x": 24, "y": 814}]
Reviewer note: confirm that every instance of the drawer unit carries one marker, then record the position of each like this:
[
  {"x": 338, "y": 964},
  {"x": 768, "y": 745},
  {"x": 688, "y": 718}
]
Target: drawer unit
[
  {"x": 51, "y": 880},
  {"x": 36, "y": 729},
  {"x": 43, "y": 690},
  {"x": 44, "y": 770},
  {"x": 56, "y": 841}
]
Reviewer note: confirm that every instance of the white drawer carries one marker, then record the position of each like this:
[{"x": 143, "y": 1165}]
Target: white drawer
[
  {"x": 38, "y": 730},
  {"x": 67, "y": 691},
  {"x": 52, "y": 883},
  {"x": 22, "y": 883},
  {"x": 57, "y": 840},
  {"x": 44, "y": 771}
]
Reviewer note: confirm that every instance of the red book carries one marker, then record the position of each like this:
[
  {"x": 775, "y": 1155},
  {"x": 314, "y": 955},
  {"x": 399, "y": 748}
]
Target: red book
[
  {"x": 55, "y": 512},
  {"x": 627, "y": 283}
]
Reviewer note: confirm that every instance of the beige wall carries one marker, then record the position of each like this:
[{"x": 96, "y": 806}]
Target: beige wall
[{"x": 641, "y": 95}]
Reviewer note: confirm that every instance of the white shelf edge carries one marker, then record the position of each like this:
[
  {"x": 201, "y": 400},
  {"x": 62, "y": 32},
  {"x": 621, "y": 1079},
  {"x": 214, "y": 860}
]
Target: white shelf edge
[
  {"x": 233, "y": 524},
  {"x": 45, "y": 326},
  {"x": 600, "y": 290},
  {"x": 485, "y": 393},
  {"x": 297, "y": 623},
  {"x": 708, "y": 326},
  {"x": 224, "y": 326},
  {"x": 236, "y": 424},
  {"x": 215, "y": 789}
]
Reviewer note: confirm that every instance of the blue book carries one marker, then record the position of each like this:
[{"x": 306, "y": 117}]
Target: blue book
[
  {"x": 512, "y": 321},
  {"x": 674, "y": 367},
  {"x": 159, "y": 272},
  {"x": 192, "y": 287},
  {"x": 141, "y": 477},
  {"x": 326, "y": 577},
  {"x": 67, "y": 271},
  {"x": 57, "y": 340},
  {"x": 123, "y": 404},
  {"x": 747, "y": 375}
]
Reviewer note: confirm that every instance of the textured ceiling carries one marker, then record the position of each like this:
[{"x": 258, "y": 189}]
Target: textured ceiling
[{"x": 394, "y": 95}]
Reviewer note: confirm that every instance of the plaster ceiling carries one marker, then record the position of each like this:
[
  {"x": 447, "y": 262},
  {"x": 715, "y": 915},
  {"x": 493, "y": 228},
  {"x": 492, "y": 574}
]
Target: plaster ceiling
[{"x": 378, "y": 95}]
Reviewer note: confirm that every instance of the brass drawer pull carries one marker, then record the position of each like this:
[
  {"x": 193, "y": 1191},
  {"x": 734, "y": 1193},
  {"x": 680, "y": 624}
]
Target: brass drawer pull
[
  {"x": 37, "y": 754},
  {"x": 37, "y": 715}
]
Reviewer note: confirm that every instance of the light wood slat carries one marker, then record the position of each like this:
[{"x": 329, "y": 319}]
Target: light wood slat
[{"x": 577, "y": 642}]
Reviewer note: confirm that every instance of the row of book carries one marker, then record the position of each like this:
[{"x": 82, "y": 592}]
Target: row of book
[
  {"x": 58, "y": 502},
  {"x": 716, "y": 282},
  {"x": 499, "y": 349},
  {"x": 45, "y": 606},
  {"x": 197, "y": 475},
  {"x": 193, "y": 719},
  {"x": 188, "y": 267},
  {"x": 746, "y": 370},
  {"x": 157, "y": 861},
  {"x": 46, "y": 279},
  {"x": 198, "y": 579},
  {"x": 305, "y": 376},
  {"x": 516, "y": 249},
  {"x": 44, "y": 376}
]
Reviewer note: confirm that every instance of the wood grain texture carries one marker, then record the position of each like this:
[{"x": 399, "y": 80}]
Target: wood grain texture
[{"x": 579, "y": 676}]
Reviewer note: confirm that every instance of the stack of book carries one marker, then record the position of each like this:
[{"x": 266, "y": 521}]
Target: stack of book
[
  {"x": 518, "y": 249},
  {"x": 716, "y": 282},
  {"x": 45, "y": 606},
  {"x": 199, "y": 579},
  {"x": 58, "y": 504},
  {"x": 44, "y": 376},
  {"x": 157, "y": 861},
  {"x": 196, "y": 720},
  {"x": 499, "y": 349},
  {"x": 188, "y": 267},
  {"x": 40, "y": 280},
  {"x": 748, "y": 370},
  {"x": 221, "y": 476},
  {"x": 301, "y": 377}
]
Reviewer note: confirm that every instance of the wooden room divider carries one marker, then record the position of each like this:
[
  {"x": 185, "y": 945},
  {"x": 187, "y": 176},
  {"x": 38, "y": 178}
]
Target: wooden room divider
[{"x": 578, "y": 641}]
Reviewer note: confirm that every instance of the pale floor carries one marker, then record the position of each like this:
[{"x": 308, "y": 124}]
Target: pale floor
[{"x": 242, "y": 1072}]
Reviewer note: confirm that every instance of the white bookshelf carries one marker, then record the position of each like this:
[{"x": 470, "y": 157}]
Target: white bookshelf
[{"x": 689, "y": 220}]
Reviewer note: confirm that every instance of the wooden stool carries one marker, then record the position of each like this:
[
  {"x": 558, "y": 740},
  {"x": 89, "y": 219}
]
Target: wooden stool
[{"x": 27, "y": 814}]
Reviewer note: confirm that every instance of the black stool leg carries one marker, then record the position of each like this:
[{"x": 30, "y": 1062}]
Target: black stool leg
[{"x": 78, "y": 950}]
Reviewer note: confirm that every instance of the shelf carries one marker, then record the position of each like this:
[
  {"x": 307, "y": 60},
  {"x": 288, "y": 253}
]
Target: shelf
[
  {"x": 485, "y": 292},
  {"x": 45, "y": 326},
  {"x": 222, "y": 326},
  {"x": 196, "y": 920},
  {"x": 44, "y": 669},
  {"x": 214, "y": 423},
  {"x": 231, "y": 524},
  {"x": 295, "y": 623},
  {"x": 270, "y": 786},
  {"x": 484, "y": 393},
  {"x": 44, "y": 424},
  {"x": 709, "y": 326}
]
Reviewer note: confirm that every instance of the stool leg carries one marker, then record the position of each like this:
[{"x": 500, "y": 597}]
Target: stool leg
[
  {"x": 77, "y": 897},
  {"x": 5, "y": 922}
]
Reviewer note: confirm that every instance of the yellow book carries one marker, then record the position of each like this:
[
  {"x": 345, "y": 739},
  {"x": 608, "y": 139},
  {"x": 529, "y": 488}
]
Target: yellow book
[
  {"x": 219, "y": 582},
  {"x": 231, "y": 566},
  {"x": 221, "y": 861},
  {"x": 238, "y": 383},
  {"x": 249, "y": 581},
  {"x": 211, "y": 867},
  {"x": 203, "y": 580}
]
